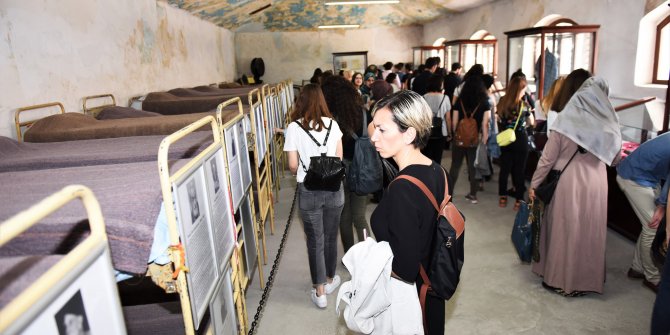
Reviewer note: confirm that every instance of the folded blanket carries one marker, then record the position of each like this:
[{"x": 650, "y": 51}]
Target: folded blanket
[
  {"x": 130, "y": 199},
  {"x": 21, "y": 156},
  {"x": 18, "y": 273},
  {"x": 77, "y": 126},
  {"x": 118, "y": 112},
  {"x": 170, "y": 104}
]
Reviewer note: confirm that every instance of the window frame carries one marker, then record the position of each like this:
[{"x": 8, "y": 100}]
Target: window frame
[{"x": 657, "y": 47}]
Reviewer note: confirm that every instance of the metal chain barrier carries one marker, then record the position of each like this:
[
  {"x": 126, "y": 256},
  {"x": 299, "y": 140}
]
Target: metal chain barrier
[{"x": 271, "y": 277}]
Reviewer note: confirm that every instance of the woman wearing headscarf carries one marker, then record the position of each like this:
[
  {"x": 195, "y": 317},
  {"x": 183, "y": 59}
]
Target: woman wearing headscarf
[{"x": 586, "y": 137}]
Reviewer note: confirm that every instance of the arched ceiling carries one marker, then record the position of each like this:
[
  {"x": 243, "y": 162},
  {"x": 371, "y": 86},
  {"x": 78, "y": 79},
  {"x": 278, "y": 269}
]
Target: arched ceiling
[{"x": 303, "y": 15}]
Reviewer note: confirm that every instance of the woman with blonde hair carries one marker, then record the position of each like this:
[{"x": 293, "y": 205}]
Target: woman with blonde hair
[
  {"x": 319, "y": 210},
  {"x": 543, "y": 109},
  {"x": 515, "y": 113},
  {"x": 405, "y": 218}
]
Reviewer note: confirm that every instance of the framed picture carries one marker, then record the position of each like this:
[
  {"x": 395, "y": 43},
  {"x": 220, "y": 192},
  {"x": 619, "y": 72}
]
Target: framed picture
[{"x": 352, "y": 61}]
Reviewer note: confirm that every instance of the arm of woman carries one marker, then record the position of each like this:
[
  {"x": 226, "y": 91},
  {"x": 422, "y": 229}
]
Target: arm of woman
[
  {"x": 550, "y": 154},
  {"x": 338, "y": 149},
  {"x": 293, "y": 161}
]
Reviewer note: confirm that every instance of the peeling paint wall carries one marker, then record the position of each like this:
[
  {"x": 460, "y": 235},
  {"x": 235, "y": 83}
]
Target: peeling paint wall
[
  {"x": 617, "y": 38},
  {"x": 65, "y": 50},
  {"x": 295, "y": 55}
]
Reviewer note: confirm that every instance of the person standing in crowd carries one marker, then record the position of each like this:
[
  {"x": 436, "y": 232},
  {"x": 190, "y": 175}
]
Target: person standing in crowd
[
  {"x": 388, "y": 69},
  {"x": 379, "y": 90},
  {"x": 346, "y": 106},
  {"x": 472, "y": 103},
  {"x": 476, "y": 70},
  {"x": 392, "y": 79},
  {"x": 404, "y": 217},
  {"x": 586, "y": 138},
  {"x": 316, "y": 76},
  {"x": 513, "y": 107},
  {"x": 640, "y": 177},
  {"x": 357, "y": 80},
  {"x": 452, "y": 80},
  {"x": 440, "y": 106},
  {"x": 420, "y": 83},
  {"x": 319, "y": 210},
  {"x": 369, "y": 78},
  {"x": 543, "y": 109}
]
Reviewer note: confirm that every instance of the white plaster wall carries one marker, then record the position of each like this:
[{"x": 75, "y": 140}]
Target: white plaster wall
[
  {"x": 295, "y": 55},
  {"x": 617, "y": 37},
  {"x": 65, "y": 50}
]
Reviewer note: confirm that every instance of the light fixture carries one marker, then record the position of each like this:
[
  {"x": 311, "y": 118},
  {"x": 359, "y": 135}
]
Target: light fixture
[
  {"x": 339, "y": 26},
  {"x": 362, "y": 2}
]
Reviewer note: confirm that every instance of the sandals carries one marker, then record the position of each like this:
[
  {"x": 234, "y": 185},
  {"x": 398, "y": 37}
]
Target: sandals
[
  {"x": 502, "y": 202},
  {"x": 562, "y": 292},
  {"x": 517, "y": 205}
]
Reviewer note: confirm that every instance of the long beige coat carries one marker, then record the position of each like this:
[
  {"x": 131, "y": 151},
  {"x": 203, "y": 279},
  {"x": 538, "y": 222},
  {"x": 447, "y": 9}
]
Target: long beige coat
[{"x": 574, "y": 230}]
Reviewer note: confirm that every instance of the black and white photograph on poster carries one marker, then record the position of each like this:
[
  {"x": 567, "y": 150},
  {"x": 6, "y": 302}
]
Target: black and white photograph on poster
[
  {"x": 193, "y": 201},
  {"x": 232, "y": 148},
  {"x": 196, "y": 235},
  {"x": 222, "y": 225},
  {"x": 215, "y": 176},
  {"x": 71, "y": 319}
]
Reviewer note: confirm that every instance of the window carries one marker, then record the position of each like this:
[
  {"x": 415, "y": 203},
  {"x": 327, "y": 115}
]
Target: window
[{"x": 662, "y": 52}]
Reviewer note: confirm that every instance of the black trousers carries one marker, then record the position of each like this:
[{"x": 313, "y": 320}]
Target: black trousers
[
  {"x": 434, "y": 149},
  {"x": 513, "y": 162},
  {"x": 435, "y": 312}
]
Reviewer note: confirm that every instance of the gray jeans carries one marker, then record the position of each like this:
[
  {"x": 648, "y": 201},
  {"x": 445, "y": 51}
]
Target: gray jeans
[{"x": 320, "y": 213}]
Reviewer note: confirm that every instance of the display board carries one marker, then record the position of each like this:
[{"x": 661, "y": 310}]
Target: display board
[{"x": 222, "y": 307}]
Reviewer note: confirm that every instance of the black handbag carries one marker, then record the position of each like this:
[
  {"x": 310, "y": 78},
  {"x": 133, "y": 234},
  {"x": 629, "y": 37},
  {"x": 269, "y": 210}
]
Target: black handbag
[
  {"x": 547, "y": 188},
  {"x": 436, "y": 129},
  {"x": 325, "y": 173}
]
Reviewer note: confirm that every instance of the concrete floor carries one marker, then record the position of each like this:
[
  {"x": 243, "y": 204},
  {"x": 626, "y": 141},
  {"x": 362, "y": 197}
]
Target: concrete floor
[{"x": 497, "y": 294}]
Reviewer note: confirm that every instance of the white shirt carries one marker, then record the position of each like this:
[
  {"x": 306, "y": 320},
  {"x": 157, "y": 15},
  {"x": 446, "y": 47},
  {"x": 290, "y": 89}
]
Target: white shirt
[{"x": 298, "y": 140}]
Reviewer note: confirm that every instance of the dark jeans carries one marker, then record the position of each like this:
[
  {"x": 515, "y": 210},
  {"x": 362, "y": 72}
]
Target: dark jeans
[
  {"x": 320, "y": 213},
  {"x": 457, "y": 156},
  {"x": 514, "y": 162},
  {"x": 353, "y": 215},
  {"x": 660, "y": 317},
  {"x": 435, "y": 312},
  {"x": 434, "y": 149}
]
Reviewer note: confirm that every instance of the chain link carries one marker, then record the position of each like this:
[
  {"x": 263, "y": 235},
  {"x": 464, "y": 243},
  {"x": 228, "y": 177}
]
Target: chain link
[{"x": 271, "y": 277}]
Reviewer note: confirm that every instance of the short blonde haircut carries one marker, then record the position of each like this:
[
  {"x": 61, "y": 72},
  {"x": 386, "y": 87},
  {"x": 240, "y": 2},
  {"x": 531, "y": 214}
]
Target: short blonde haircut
[{"x": 409, "y": 109}]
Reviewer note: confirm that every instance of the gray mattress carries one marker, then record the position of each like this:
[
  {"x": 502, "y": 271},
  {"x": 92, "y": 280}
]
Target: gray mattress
[
  {"x": 17, "y": 156},
  {"x": 129, "y": 195}
]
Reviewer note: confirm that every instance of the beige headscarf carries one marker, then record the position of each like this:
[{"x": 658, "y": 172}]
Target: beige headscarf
[{"x": 590, "y": 121}]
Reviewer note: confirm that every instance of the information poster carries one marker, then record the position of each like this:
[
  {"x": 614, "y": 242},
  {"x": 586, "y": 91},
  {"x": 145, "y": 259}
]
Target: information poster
[
  {"x": 194, "y": 223},
  {"x": 222, "y": 307},
  {"x": 222, "y": 222},
  {"x": 251, "y": 253},
  {"x": 245, "y": 164},
  {"x": 234, "y": 162},
  {"x": 87, "y": 304}
]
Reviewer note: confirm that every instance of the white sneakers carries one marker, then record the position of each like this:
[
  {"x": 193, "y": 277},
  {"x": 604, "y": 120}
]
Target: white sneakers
[
  {"x": 321, "y": 301},
  {"x": 330, "y": 287}
]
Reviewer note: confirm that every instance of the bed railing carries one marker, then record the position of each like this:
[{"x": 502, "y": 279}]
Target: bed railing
[
  {"x": 27, "y": 124},
  {"x": 95, "y": 110},
  {"x": 41, "y": 296}
]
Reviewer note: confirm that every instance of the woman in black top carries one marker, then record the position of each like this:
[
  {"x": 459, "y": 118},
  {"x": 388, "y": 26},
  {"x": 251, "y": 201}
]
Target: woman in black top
[
  {"x": 405, "y": 218},
  {"x": 513, "y": 157},
  {"x": 474, "y": 101},
  {"x": 346, "y": 105}
]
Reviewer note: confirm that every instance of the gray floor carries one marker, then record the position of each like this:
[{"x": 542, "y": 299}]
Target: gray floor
[{"x": 497, "y": 294}]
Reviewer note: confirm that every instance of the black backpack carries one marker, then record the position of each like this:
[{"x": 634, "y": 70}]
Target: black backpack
[
  {"x": 364, "y": 175},
  {"x": 325, "y": 173},
  {"x": 447, "y": 259}
]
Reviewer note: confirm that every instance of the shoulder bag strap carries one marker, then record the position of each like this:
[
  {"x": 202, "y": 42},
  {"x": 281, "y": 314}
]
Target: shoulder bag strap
[
  {"x": 568, "y": 163},
  {"x": 441, "y": 101},
  {"x": 308, "y": 133},
  {"x": 365, "y": 127},
  {"x": 518, "y": 116},
  {"x": 465, "y": 113}
]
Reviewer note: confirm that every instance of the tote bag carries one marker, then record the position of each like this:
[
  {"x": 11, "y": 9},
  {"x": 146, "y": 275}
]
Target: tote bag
[
  {"x": 522, "y": 233},
  {"x": 508, "y": 136}
]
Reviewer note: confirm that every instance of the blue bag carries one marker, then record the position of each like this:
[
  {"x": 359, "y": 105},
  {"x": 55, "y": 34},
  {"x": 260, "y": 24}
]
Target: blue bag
[{"x": 522, "y": 234}]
